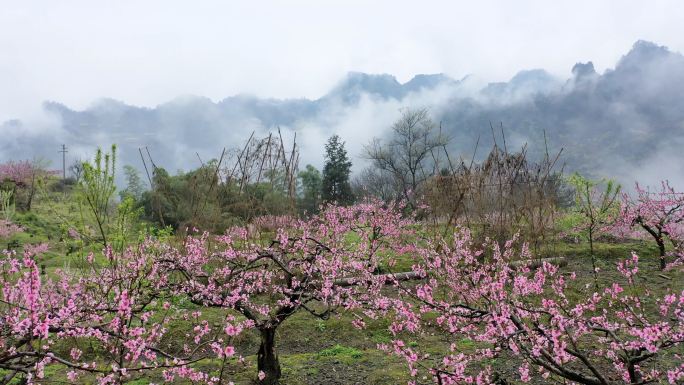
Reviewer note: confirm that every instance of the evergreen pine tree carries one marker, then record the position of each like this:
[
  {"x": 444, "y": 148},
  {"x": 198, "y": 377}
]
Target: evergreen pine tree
[{"x": 336, "y": 172}]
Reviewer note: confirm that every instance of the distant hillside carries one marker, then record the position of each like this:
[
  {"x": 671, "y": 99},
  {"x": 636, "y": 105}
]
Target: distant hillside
[{"x": 626, "y": 117}]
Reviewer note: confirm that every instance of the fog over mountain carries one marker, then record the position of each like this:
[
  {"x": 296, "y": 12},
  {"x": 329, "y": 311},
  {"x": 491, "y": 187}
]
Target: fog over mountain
[{"x": 626, "y": 123}]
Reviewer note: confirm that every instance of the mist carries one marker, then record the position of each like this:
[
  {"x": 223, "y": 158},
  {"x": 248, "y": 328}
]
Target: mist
[{"x": 625, "y": 123}]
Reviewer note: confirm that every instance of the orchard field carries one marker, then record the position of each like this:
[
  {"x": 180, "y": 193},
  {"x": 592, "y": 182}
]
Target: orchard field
[{"x": 503, "y": 272}]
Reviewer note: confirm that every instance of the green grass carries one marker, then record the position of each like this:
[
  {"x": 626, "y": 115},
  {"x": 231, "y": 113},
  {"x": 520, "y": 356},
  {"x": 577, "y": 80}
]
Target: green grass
[{"x": 339, "y": 350}]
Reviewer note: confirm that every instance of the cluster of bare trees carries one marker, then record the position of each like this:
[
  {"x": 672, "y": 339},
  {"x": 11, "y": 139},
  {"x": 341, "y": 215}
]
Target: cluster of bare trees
[
  {"x": 257, "y": 179},
  {"x": 497, "y": 196},
  {"x": 504, "y": 193},
  {"x": 264, "y": 160}
]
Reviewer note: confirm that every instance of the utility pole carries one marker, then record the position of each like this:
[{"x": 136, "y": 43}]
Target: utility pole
[
  {"x": 64, "y": 151},
  {"x": 437, "y": 170}
]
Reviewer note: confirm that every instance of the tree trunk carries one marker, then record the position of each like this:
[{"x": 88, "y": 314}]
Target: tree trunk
[
  {"x": 659, "y": 240},
  {"x": 661, "y": 248},
  {"x": 593, "y": 257},
  {"x": 267, "y": 358},
  {"x": 634, "y": 376}
]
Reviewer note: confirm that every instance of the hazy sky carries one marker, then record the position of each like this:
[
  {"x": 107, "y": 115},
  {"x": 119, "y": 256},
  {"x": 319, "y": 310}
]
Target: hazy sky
[{"x": 148, "y": 52}]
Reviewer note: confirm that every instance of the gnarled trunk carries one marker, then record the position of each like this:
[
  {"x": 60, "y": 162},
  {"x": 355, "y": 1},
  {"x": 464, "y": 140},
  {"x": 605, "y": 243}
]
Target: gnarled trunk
[
  {"x": 661, "y": 249},
  {"x": 658, "y": 238},
  {"x": 267, "y": 358}
]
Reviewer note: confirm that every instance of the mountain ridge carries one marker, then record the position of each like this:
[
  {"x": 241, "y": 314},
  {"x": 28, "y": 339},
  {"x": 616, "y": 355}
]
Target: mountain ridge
[{"x": 622, "y": 114}]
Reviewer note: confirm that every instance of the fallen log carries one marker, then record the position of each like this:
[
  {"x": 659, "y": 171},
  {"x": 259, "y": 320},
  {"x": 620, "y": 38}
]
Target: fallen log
[
  {"x": 389, "y": 278},
  {"x": 537, "y": 263},
  {"x": 409, "y": 275}
]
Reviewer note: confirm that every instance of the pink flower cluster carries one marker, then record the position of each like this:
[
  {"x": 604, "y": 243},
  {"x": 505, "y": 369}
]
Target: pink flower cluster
[
  {"x": 338, "y": 260},
  {"x": 320, "y": 266},
  {"x": 8, "y": 228},
  {"x": 660, "y": 215},
  {"x": 113, "y": 307},
  {"x": 509, "y": 311},
  {"x": 22, "y": 172}
]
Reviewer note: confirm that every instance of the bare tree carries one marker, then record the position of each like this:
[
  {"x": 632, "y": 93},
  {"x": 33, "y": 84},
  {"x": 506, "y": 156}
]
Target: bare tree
[
  {"x": 372, "y": 182},
  {"x": 76, "y": 169},
  {"x": 409, "y": 155}
]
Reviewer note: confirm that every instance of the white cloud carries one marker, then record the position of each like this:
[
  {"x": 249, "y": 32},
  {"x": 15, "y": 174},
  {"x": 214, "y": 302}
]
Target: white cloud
[{"x": 146, "y": 53}]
